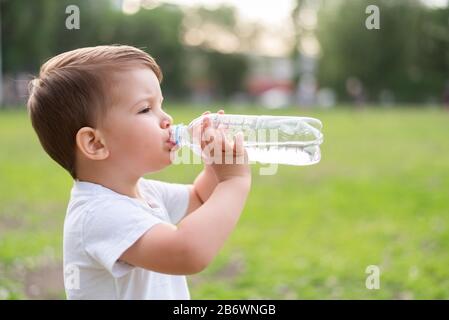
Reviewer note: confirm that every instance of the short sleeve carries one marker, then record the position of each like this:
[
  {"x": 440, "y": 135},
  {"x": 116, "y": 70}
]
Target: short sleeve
[
  {"x": 110, "y": 229},
  {"x": 174, "y": 196}
]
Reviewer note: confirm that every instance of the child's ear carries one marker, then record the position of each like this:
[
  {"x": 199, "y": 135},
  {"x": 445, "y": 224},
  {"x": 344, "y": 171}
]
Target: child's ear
[{"x": 91, "y": 143}]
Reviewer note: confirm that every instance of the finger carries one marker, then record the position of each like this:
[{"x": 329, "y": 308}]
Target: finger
[
  {"x": 217, "y": 124},
  {"x": 196, "y": 131},
  {"x": 228, "y": 150},
  {"x": 216, "y": 147},
  {"x": 220, "y": 138},
  {"x": 204, "y": 118},
  {"x": 238, "y": 144},
  {"x": 206, "y": 122},
  {"x": 207, "y": 144},
  {"x": 207, "y": 135},
  {"x": 222, "y": 127}
]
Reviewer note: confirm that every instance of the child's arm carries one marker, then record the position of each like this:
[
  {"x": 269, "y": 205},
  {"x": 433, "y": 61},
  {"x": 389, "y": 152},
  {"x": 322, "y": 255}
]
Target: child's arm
[
  {"x": 192, "y": 245},
  {"x": 202, "y": 188},
  {"x": 205, "y": 182}
]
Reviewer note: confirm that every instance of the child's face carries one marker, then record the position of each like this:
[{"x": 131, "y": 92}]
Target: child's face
[{"x": 136, "y": 129}]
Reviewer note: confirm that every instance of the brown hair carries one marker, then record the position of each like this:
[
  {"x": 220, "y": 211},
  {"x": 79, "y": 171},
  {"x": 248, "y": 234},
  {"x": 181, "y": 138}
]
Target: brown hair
[{"x": 70, "y": 93}]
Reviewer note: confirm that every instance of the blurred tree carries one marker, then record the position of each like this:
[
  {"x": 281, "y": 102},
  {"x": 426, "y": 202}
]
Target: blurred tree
[
  {"x": 158, "y": 32},
  {"x": 407, "y": 56},
  {"x": 34, "y": 31},
  {"x": 217, "y": 49},
  {"x": 228, "y": 71},
  {"x": 27, "y": 32},
  {"x": 298, "y": 32}
]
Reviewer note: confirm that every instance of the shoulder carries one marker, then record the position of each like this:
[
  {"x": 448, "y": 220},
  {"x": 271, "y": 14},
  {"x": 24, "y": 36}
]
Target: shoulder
[
  {"x": 114, "y": 220},
  {"x": 151, "y": 184},
  {"x": 91, "y": 212},
  {"x": 152, "y": 188},
  {"x": 113, "y": 208},
  {"x": 164, "y": 191}
]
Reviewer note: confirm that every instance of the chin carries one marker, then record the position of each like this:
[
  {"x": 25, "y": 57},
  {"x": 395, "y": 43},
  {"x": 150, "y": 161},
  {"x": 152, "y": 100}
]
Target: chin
[{"x": 161, "y": 165}]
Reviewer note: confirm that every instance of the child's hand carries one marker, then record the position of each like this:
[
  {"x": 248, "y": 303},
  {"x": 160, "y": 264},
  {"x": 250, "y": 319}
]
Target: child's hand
[{"x": 227, "y": 158}]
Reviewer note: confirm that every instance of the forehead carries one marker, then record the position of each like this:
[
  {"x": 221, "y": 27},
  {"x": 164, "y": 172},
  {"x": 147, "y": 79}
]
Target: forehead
[{"x": 133, "y": 84}]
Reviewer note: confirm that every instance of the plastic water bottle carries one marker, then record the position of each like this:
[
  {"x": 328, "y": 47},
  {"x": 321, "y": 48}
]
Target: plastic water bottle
[{"x": 267, "y": 139}]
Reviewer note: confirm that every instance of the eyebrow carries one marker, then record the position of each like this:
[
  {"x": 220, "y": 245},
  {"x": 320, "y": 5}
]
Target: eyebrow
[{"x": 146, "y": 98}]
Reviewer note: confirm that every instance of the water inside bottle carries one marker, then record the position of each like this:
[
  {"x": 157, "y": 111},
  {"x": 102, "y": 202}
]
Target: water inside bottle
[{"x": 283, "y": 153}]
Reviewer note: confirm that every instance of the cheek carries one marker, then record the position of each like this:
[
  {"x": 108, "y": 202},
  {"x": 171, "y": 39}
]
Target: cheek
[
  {"x": 135, "y": 135},
  {"x": 122, "y": 137},
  {"x": 144, "y": 135}
]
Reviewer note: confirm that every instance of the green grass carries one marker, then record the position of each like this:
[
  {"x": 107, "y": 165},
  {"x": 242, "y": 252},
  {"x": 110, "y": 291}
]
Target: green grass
[{"x": 378, "y": 197}]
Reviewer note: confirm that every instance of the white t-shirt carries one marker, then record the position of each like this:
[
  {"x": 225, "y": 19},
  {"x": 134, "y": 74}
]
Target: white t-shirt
[{"x": 101, "y": 224}]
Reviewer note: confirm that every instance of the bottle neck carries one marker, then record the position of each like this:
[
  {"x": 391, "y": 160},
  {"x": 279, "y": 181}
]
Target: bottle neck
[{"x": 180, "y": 135}]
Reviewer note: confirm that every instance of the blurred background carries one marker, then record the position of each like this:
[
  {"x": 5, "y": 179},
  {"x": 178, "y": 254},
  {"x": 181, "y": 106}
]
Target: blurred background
[{"x": 378, "y": 197}]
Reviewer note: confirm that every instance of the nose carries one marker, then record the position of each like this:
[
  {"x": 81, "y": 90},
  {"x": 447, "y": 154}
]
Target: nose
[{"x": 167, "y": 121}]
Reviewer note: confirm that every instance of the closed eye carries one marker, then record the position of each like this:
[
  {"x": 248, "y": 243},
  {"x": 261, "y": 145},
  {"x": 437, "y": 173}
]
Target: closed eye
[{"x": 145, "y": 110}]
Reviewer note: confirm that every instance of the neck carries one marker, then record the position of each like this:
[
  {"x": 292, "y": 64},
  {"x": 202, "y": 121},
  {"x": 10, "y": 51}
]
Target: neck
[{"x": 118, "y": 181}]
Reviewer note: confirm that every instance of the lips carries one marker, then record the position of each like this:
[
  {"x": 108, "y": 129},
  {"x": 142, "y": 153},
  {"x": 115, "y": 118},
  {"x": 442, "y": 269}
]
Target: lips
[
  {"x": 169, "y": 141},
  {"x": 170, "y": 137}
]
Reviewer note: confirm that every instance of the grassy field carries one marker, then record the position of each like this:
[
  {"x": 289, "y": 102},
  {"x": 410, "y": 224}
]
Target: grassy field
[{"x": 378, "y": 197}]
